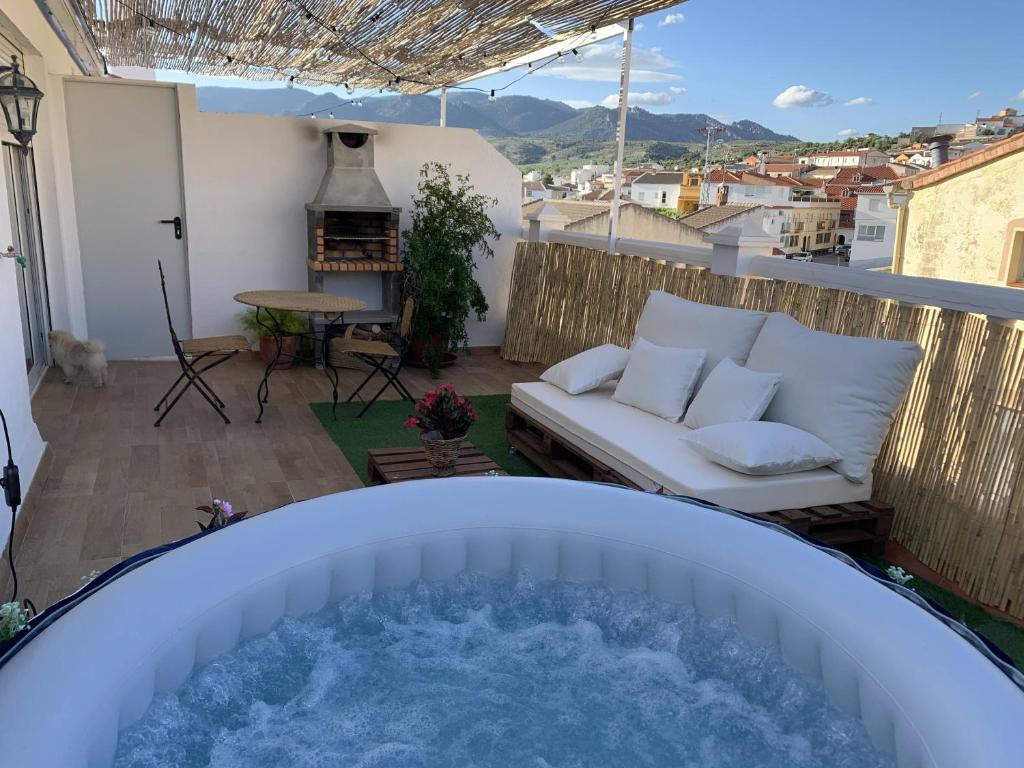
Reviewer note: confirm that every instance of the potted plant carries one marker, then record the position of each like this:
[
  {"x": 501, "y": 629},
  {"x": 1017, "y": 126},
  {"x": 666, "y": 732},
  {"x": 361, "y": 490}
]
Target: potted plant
[
  {"x": 443, "y": 418},
  {"x": 450, "y": 227},
  {"x": 291, "y": 323}
]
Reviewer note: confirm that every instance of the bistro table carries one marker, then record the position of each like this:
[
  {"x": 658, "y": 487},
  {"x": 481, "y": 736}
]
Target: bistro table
[{"x": 332, "y": 307}]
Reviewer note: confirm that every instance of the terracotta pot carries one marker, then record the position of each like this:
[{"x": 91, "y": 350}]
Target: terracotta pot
[
  {"x": 289, "y": 346},
  {"x": 417, "y": 353},
  {"x": 442, "y": 454}
]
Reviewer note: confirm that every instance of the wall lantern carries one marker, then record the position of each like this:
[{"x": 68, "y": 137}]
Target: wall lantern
[{"x": 20, "y": 99}]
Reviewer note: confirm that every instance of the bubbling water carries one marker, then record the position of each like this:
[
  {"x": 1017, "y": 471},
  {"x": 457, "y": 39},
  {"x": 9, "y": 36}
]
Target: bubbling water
[{"x": 498, "y": 672}]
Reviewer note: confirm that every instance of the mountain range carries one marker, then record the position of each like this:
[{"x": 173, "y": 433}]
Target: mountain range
[{"x": 524, "y": 117}]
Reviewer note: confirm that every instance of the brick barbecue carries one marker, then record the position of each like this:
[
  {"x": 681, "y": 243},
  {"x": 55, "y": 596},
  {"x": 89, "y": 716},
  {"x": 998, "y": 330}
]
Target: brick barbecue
[{"x": 351, "y": 224}]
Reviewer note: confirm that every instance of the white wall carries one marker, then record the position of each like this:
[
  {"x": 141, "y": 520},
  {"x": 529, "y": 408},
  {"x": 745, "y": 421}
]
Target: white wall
[
  {"x": 749, "y": 193},
  {"x": 47, "y": 62},
  {"x": 649, "y": 195},
  {"x": 871, "y": 250},
  {"x": 15, "y": 402},
  {"x": 247, "y": 179}
]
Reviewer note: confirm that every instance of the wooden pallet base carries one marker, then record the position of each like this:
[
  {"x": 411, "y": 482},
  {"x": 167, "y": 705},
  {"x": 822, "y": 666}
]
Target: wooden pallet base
[{"x": 861, "y": 527}]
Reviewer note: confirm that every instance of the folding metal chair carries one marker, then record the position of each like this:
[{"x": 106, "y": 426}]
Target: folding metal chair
[
  {"x": 219, "y": 348},
  {"x": 383, "y": 357}
]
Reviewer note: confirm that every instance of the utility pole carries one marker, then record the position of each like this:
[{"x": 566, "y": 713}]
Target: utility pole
[
  {"x": 709, "y": 131},
  {"x": 620, "y": 138}
]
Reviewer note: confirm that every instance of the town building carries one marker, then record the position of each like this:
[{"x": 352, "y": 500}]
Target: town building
[
  {"x": 1003, "y": 123},
  {"x": 876, "y": 214},
  {"x": 965, "y": 219},
  {"x": 689, "y": 199},
  {"x": 846, "y": 158},
  {"x": 580, "y": 176},
  {"x": 657, "y": 189}
]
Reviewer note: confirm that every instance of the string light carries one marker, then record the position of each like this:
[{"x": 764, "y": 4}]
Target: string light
[
  {"x": 349, "y": 89},
  {"x": 561, "y": 58},
  {"x": 577, "y": 54},
  {"x": 492, "y": 97},
  {"x": 291, "y": 81}
]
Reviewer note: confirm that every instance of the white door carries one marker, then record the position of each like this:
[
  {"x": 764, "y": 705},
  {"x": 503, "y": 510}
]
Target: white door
[{"x": 126, "y": 166}]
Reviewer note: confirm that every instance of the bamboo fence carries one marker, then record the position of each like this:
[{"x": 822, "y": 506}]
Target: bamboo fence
[{"x": 952, "y": 462}]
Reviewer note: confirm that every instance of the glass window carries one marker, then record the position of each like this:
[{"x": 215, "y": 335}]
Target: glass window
[{"x": 871, "y": 233}]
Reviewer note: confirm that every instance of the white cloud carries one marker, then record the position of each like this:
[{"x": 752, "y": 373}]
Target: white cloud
[
  {"x": 672, "y": 18},
  {"x": 578, "y": 103},
  {"x": 975, "y": 95},
  {"x": 1020, "y": 96},
  {"x": 638, "y": 26},
  {"x": 601, "y": 63},
  {"x": 860, "y": 101},
  {"x": 676, "y": 89},
  {"x": 801, "y": 96},
  {"x": 847, "y": 133},
  {"x": 641, "y": 99}
]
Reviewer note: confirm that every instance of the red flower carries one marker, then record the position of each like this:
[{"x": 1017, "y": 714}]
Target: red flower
[{"x": 411, "y": 422}]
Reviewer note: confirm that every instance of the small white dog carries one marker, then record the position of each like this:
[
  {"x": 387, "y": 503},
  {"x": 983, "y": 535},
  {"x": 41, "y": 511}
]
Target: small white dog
[{"x": 73, "y": 356}]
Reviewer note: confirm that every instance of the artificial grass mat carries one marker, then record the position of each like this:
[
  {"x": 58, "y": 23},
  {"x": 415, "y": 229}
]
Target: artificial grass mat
[
  {"x": 1009, "y": 637},
  {"x": 383, "y": 427}
]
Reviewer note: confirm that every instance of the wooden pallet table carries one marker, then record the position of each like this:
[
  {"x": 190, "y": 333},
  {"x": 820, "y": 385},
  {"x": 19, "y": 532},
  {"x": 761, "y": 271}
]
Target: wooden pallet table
[
  {"x": 397, "y": 465},
  {"x": 859, "y": 528}
]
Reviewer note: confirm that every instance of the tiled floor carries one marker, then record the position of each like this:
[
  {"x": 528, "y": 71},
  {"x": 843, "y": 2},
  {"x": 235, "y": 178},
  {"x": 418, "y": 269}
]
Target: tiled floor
[{"x": 116, "y": 485}]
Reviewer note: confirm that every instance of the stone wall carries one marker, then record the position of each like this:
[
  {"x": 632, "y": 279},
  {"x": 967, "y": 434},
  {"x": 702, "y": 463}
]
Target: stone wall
[{"x": 957, "y": 229}]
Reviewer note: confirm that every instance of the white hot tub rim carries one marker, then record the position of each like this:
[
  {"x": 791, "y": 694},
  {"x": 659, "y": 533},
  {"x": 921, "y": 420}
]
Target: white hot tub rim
[{"x": 987, "y": 648}]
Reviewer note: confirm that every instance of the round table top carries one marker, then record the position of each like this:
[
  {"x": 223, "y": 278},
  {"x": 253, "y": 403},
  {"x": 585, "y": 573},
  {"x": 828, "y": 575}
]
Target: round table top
[{"x": 300, "y": 301}]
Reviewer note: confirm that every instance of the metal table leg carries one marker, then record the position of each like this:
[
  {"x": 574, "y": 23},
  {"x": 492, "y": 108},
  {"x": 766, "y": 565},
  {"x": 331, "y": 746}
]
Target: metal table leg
[{"x": 263, "y": 390}]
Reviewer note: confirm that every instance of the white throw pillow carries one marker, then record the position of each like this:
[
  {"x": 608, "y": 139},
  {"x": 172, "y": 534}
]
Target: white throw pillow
[
  {"x": 761, "y": 447},
  {"x": 659, "y": 380},
  {"x": 722, "y": 332},
  {"x": 588, "y": 370},
  {"x": 731, "y": 393},
  {"x": 844, "y": 389}
]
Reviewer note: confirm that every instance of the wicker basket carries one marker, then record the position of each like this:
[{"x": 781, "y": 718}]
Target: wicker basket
[{"x": 442, "y": 454}]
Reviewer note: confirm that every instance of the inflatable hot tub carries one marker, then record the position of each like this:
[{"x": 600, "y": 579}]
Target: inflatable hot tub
[{"x": 922, "y": 691}]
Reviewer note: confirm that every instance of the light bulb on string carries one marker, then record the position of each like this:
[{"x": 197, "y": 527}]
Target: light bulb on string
[
  {"x": 561, "y": 58},
  {"x": 150, "y": 29},
  {"x": 349, "y": 89},
  {"x": 330, "y": 115},
  {"x": 291, "y": 81},
  {"x": 492, "y": 96},
  {"x": 577, "y": 55}
]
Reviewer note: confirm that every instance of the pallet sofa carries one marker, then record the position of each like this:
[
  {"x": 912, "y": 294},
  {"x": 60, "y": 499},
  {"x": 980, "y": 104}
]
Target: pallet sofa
[{"x": 841, "y": 389}]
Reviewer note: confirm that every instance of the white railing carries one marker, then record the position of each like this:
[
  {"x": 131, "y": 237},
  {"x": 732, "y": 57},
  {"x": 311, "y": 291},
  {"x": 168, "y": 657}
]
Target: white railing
[
  {"x": 991, "y": 300},
  {"x": 739, "y": 258},
  {"x": 683, "y": 254}
]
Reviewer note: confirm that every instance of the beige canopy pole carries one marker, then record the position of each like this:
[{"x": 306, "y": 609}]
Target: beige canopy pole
[
  {"x": 620, "y": 134},
  {"x": 444, "y": 106}
]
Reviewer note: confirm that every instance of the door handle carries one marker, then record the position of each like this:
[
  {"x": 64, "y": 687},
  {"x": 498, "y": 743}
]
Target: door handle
[{"x": 176, "y": 221}]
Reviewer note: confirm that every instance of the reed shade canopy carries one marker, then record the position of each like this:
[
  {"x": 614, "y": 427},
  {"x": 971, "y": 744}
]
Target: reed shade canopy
[{"x": 413, "y": 46}]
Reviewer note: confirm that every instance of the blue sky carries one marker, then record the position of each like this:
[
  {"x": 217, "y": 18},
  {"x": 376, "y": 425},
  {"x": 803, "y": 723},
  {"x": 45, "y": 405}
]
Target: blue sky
[{"x": 817, "y": 69}]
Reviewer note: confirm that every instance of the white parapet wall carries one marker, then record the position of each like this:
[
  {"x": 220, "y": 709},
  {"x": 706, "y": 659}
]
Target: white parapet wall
[
  {"x": 248, "y": 177},
  {"x": 738, "y": 254}
]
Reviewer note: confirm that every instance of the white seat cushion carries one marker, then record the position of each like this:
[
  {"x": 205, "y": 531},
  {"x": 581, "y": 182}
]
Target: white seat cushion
[
  {"x": 588, "y": 369},
  {"x": 670, "y": 321},
  {"x": 844, "y": 389},
  {"x": 659, "y": 380},
  {"x": 648, "y": 450},
  {"x": 731, "y": 393}
]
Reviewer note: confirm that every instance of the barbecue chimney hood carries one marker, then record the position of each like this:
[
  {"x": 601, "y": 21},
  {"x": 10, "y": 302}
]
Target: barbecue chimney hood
[{"x": 350, "y": 183}]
